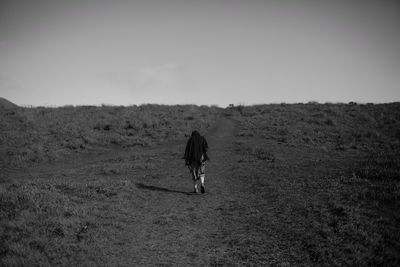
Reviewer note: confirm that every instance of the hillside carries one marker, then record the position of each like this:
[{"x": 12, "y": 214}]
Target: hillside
[
  {"x": 5, "y": 104},
  {"x": 37, "y": 135},
  {"x": 300, "y": 184}
]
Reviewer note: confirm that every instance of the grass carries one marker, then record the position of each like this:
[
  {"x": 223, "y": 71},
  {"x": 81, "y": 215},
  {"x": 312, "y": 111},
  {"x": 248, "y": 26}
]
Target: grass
[
  {"x": 338, "y": 167},
  {"x": 312, "y": 184},
  {"x": 37, "y": 135},
  {"x": 73, "y": 216}
]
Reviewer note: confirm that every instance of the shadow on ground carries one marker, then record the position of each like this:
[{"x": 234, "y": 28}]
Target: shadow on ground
[{"x": 162, "y": 189}]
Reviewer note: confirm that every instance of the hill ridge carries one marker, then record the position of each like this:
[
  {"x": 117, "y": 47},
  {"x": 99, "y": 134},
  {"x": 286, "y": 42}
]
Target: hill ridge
[{"x": 4, "y": 103}]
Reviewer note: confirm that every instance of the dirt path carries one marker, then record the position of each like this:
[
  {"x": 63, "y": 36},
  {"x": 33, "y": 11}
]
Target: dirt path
[{"x": 177, "y": 227}]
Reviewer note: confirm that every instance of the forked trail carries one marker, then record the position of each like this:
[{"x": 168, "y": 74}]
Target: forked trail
[
  {"x": 272, "y": 198},
  {"x": 134, "y": 207}
]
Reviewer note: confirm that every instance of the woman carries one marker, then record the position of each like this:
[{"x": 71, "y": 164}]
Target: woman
[{"x": 195, "y": 158}]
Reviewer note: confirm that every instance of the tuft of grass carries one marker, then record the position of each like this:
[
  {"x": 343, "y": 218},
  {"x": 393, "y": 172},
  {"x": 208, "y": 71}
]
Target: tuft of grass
[
  {"x": 378, "y": 176},
  {"x": 381, "y": 165}
]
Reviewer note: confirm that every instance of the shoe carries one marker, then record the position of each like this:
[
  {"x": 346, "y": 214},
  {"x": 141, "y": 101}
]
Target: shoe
[
  {"x": 195, "y": 191},
  {"x": 203, "y": 190}
]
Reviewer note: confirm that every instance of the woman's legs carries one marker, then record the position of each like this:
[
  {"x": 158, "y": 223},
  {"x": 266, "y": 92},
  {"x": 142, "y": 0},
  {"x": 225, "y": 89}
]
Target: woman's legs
[
  {"x": 198, "y": 173},
  {"x": 202, "y": 175},
  {"x": 195, "y": 177}
]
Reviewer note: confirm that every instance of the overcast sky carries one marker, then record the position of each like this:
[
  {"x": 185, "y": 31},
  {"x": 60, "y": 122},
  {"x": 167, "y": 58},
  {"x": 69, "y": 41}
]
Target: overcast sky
[{"x": 200, "y": 52}]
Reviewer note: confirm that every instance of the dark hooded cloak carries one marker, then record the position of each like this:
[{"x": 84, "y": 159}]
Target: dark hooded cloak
[{"x": 196, "y": 147}]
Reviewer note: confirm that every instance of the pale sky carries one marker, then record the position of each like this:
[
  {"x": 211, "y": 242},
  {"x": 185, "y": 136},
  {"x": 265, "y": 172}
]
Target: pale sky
[{"x": 199, "y": 52}]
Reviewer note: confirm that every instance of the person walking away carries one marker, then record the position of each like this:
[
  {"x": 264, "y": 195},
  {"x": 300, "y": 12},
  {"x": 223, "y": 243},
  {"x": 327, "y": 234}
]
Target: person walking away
[{"x": 195, "y": 158}]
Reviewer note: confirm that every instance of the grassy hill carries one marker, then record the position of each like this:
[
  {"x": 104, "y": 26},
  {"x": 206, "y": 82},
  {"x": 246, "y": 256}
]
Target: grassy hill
[
  {"x": 288, "y": 184},
  {"x": 338, "y": 171},
  {"x": 37, "y": 135},
  {"x": 5, "y": 104}
]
